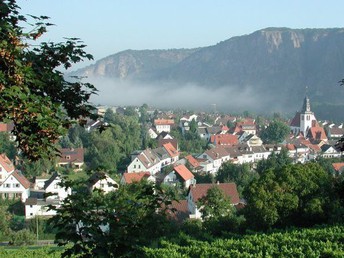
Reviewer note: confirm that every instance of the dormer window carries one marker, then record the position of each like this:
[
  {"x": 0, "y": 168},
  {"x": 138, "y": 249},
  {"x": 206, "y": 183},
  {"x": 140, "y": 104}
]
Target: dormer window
[{"x": 68, "y": 157}]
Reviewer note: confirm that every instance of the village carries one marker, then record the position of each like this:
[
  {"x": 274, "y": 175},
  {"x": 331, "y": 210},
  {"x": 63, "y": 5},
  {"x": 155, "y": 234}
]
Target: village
[{"x": 166, "y": 164}]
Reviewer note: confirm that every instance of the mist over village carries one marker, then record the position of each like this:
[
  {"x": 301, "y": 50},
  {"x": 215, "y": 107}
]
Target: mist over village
[{"x": 217, "y": 134}]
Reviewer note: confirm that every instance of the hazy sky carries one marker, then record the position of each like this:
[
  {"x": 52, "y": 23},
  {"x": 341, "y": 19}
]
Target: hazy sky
[{"x": 111, "y": 26}]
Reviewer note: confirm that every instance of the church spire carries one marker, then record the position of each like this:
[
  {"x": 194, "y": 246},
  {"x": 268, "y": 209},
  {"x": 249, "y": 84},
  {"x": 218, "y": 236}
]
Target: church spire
[{"x": 306, "y": 105}]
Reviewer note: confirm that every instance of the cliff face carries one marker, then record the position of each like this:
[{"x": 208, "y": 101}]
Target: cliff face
[{"x": 279, "y": 62}]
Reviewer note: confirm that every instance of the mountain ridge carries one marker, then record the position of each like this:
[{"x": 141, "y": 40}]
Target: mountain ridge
[{"x": 280, "y": 62}]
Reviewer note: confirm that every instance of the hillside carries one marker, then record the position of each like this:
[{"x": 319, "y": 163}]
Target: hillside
[{"x": 273, "y": 66}]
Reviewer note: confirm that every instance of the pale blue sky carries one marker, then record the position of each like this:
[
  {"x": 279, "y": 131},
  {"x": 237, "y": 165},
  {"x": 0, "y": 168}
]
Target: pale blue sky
[{"x": 110, "y": 26}]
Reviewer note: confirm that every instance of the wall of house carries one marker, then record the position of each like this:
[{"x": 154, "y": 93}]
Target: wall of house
[
  {"x": 107, "y": 185},
  {"x": 11, "y": 188},
  {"x": 37, "y": 210}
]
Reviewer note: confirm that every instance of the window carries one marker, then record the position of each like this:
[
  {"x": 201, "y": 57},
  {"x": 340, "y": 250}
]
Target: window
[
  {"x": 139, "y": 166},
  {"x": 68, "y": 157},
  {"x": 7, "y": 185},
  {"x": 134, "y": 166},
  {"x": 31, "y": 214},
  {"x": 16, "y": 185},
  {"x": 31, "y": 207},
  {"x": 101, "y": 185}
]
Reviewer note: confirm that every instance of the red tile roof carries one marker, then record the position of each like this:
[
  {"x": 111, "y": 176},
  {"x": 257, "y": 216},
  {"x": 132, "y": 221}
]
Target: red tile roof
[
  {"x": 338, "y": 166},
  {"x": 70, "y": 155},
  {"x": 181, "y": 211},
  {"x": 164, "y": 122},
  {"x": 317, "y": 133},
  {"x": 135, "y": 177},
  {"x": 21, "y": 179},
  {"x": 183, "y": 172},
  {"x": 224, "y": 139},
  {"x": 6, "y": 163},
  {"x": 6, "y": 127},
  {"x": 200, "y": 190},
  {"x": 217, "y": 153},
  {"x": 192, "y": 161},
  {"x": 171, "y": 150}
]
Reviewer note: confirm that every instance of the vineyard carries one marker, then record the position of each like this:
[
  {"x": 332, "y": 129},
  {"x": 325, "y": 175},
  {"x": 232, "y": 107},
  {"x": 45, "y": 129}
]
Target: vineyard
[{"x": 318, "y": 242}]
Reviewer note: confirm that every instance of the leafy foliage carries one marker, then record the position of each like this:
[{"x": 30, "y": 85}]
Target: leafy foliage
[
  {"x": 317, "y": 242},
  {"x": 275, "y": 132},
  {"x": 215, "y": 204},
  {"x": 297, "y": 195},
  {"x": 240, "y": 174},
  {"x": 34, "y": 94},
  {"x": 111, "y": 225}
]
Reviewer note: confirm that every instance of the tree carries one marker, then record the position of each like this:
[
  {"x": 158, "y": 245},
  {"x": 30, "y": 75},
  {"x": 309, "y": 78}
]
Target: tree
[
  {"x": 34, "y": 94},
  {"x": 7, "y": 146},
  {"x": 274, "y": 161},
  {"x": 240, "y": 174},
  {"x": 95, "y": 224},
  {"x": 276, "y": 132},
  {"x": 215, "y": 204},
  {"x": 294, "y": 195}
]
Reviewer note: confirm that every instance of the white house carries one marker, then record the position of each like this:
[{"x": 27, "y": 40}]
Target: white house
[
  {"x": 216, "y": 156},
  {"x": 198, "y": 191},
  {"x": 53, "y": 188},
  {"x": 15, "y": 186},
  {"x": 46, "y": 192},
  {"x": 146, "y": 160},
  {"x": 163, "y": 125},
  {"x": 39, "y": 207},
  {"x": 329, "y": 151},
  {"x": 102, "y": 181}
]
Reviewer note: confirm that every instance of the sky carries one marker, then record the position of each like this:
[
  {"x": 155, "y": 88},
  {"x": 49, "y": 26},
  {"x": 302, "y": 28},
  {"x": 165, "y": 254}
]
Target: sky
[{"x": 111, "y": 26}]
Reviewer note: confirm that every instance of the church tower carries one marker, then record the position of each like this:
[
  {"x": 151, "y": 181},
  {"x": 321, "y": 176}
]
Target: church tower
[{"x": 307, "y": 118}]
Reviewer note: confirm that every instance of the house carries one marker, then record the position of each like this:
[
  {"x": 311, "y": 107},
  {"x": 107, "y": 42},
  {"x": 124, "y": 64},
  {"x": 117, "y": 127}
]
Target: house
[
  {"x": 174, "y": 142},
  {"x": 253, "y": 140},
  {"x": 163, "y": 125},
  {"x": 338, "y": 167},
  {"x": 328, "y": 151},
  {"x": 198, "y": 191},
  {"x": 224, "y": 139},
  {"x": 216, "y": 156},
  {"x": 316, "y": 133},
  {"x": 172, "y": 152},
  {"x": 128, "y": 178},
  {"x": 152, "y": 133},
  {"x": 71, "y": 158},
  {"x": 6, "y": 167},
  {"x": 178, "y": 211},
  {"x": 335, "y": 132},
  {"x": 53, "y": 187},
  {"x": 102, "y": 181},
  {"x": 247, "y": 125},
  {"x": 15, "y": 186},
  {"x": 52, "y": 193},
  {"x": 260, "y": 153},
  {"x": 145, "y": 160},
  {"x": 180, "y": 174},
  {"x": 184, "y": 122},
  {"x": 194, "y": 164}
]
